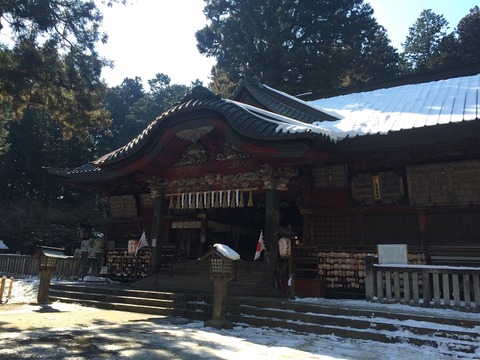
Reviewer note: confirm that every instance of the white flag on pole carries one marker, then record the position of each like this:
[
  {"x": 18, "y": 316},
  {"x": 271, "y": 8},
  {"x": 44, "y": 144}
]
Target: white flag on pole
[
  {"x": 260, "y": 246},
  {"x": 142, "y": 243}
]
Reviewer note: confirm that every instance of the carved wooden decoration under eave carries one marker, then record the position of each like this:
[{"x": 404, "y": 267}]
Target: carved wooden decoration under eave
[
  {"x": 198, "y": 153},
  {"x": 382, "y": 187},
  {"x": 444, "y": 184},
  {"x": 330, "y": 176}
]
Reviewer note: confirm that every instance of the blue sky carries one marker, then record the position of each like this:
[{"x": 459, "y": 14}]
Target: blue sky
[
  {"x": 158, "y": 36},
  {"x": 397, "y": 16}
]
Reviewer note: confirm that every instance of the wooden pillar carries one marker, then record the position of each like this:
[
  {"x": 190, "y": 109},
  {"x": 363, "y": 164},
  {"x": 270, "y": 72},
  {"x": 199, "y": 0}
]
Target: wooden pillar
[
  {"x": 422, "y": 229},
  {"x": 272, "y": 220},
  {"x": 307, "y": 229},
  {"x": 203, "y": 246},
  {"x": 359, "y": 227},
  {"x": 2, "y": 288},
  {"x": 158, "y": 229}
]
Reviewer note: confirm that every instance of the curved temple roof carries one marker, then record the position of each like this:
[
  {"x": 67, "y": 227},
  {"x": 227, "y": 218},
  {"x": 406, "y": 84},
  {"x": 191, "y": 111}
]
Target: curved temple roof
[
  {"x": 266, "y": 117},
  {"x": 243, "y": 121},
  {"x": 246, "y": 120}
]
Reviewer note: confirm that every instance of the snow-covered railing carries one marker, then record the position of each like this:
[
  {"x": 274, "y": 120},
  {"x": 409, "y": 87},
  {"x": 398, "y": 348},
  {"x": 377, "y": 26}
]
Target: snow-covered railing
[{"x": 423, "y": 285}]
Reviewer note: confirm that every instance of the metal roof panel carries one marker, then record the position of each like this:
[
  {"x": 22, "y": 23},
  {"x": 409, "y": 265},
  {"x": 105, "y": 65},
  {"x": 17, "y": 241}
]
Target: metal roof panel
[{"x": 403, "y": 107}]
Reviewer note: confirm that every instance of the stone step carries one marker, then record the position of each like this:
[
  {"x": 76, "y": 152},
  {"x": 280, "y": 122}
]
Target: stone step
[
  {"x": 192, "y": 282},
  {"x": 149, "y": 302},
  {"x": 353, "y": 320},
  {"x": 347, "y": 322},
  {"x": 468, "y": 344},
  {"x": 118, "y": 290},
  {"x": 366, "y": 312}
]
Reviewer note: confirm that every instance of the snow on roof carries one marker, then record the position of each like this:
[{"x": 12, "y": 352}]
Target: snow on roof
[
  {"x": 3, "y": 246},
  {"x": 402, "y": 107},
  {"x": 227, "y": 251},
  {"x": 53, "y": 252},
  {"x": 289, "y": 125}
]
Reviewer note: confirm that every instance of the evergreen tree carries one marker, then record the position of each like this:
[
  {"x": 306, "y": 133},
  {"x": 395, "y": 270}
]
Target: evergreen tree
[
  {"x": 119, "y": 102},
  {"x": 423, "y": 45},
  {"x": 221, "y": 84},
  {"x": 468, "y": 31},
  {"x": 6, "y": 115},
  {"x": 429, "y": 47},
  {"x": 133, "y": 109},
  {"x": 297, "y": 46},
  {"x": 166, "y": 94},
  {"x": 53, "y": 63},
  {"x": 36, "y": 142}
]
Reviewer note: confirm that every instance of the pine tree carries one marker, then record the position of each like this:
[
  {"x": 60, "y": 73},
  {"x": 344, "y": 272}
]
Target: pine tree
[
  {"x": 423, "y": 44},
  {"x": 468, "y": 31},
  {"x": 297, "y": 46},
  {"x": 52, "y": 62}
]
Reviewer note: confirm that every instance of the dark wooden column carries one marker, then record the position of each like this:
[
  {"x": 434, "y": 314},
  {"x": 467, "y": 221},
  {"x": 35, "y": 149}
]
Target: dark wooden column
[
  {"x": 203, "y": 246},
  {"x": 272, "y": 219},
  {"x": 158, "y": 229},
  {"x": 422, "y": 228},
  {"x": 359, "y": 227}
]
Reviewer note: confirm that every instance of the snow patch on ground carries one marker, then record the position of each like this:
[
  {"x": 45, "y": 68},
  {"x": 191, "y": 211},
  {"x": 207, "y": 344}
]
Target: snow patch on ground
[{"x": 166, "y": 337}]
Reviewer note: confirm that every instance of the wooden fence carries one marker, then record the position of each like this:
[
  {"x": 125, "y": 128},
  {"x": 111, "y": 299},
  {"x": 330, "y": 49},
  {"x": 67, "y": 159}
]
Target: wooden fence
[
  {"x": 11, "y": 265},
  {"x": 423, "y": 285}
]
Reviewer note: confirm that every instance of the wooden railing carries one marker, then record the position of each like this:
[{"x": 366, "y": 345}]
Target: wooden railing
[
  {"x": 423, "y": 285},
  {"x": 29, "y": 265}
]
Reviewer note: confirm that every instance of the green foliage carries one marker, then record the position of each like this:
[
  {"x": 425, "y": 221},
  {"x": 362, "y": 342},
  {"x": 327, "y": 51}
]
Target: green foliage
[
  {"x": 6, "y": 115},
  {"x": 36, "y": 141},
  {"x": 168, "y": 95},
  {"x": 26, "y": 224},
  {"x": 423, "y": 43},
  {"x": 35, "y": 208},
  {"x": 53, "y": 64},
  {"x": 50, "y": 82},
  {"x": 133, "y": 109},
  {"x": 296, "y": 46},
  {"x": 468, "y": 31},
  {"x": 221, "y": 84},
  {"x": 118, "y": 101},
  {"x": 429, "y": 47}
]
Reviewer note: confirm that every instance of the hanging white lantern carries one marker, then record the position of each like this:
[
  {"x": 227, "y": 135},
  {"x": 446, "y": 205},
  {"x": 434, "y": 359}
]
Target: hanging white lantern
[{"x": 285, "y": 247}]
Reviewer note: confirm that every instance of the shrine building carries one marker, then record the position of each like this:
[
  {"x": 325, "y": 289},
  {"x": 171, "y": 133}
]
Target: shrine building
[{"x": 390, "y": 163}]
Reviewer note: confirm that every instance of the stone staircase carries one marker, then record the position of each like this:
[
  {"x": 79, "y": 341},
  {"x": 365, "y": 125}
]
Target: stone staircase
[
  {"x": 120, "y": 298},
  {"x": 458, "y": 332},
  {"x": 193, "y": 277},
  {"x": 359, "y": 323}
]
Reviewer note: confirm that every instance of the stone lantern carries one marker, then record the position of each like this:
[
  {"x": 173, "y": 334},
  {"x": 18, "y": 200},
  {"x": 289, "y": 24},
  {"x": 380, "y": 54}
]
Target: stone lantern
[
  {"x": 48, "y": 264},
  {"x": 221, "y": 264}
]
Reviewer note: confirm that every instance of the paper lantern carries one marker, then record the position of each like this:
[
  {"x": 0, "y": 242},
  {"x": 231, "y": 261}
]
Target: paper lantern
[{"x": 285, "y": 247}]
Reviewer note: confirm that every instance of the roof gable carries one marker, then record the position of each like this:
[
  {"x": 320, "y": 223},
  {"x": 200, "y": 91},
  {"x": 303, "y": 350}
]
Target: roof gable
[{"x": 253, "y": 92}]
